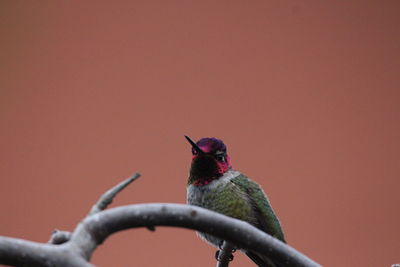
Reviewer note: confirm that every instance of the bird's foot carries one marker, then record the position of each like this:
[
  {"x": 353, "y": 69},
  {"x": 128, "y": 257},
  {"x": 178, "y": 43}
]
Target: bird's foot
[
  {"x": 217, "y": 255},
  {"x": 218, "y": 252}
]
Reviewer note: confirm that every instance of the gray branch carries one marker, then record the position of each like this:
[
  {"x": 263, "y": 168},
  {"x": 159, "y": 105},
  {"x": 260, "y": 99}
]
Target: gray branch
[
  {"x": 107, "y": 198},
  {"x": 244, "y": 236},
  {"x": 60, "y": 237},
  {"x": 18, "y": 252},
  {"x": 76, "y": 249}
]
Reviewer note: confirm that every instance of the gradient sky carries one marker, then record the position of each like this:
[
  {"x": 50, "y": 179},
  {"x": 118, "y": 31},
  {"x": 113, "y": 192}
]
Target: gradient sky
[{"x": 304, "y": 93}]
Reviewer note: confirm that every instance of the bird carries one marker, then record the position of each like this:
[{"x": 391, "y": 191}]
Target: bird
[{"x": 215, "y": 185}]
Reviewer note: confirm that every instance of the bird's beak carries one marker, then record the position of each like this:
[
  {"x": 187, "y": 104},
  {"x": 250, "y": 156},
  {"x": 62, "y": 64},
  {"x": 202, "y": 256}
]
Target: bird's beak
[{"x": 195, "y": 147}]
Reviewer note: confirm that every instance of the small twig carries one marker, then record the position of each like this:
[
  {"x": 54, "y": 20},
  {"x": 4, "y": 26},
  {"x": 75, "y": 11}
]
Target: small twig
[
  {"x": 107, "y": 198},
  {"x": 59, "y": 237},
  {"x": 225, "y": 254}
]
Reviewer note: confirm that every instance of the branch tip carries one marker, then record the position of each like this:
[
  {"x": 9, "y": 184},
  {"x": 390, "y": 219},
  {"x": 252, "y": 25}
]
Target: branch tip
[
  {"x": 107, "y": 198},
  {"x": 59, "y": 237}
]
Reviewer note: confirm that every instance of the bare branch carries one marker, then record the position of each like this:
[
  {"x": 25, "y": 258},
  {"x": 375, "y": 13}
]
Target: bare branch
[
  {"x": 225, "y": 254},
  {"x": 59, "y": 237},
  {"x": 76, "y": 249},
  {"x": 95, "y": 229},
  {"x": 18, "y": 252},
  {"x": 26, "y": 253},
  {"x": 107, "y": 198}
]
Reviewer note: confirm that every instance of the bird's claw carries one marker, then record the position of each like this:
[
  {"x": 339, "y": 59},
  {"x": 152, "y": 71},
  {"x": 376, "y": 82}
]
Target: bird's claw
[
  {"x": 218, "y": 252},
  {"x": 217, "y": 255}
]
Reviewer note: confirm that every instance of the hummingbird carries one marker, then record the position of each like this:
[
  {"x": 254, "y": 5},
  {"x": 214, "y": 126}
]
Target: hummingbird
[{"x": 215, "y": 185}]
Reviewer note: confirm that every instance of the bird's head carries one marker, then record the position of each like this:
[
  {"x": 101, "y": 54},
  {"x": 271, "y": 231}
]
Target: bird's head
[{"x": 209, "y": 161}]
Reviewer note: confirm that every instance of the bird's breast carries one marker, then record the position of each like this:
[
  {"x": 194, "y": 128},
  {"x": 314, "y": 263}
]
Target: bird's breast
[
  {"x": 199, "y": 195},
  {"x": 221, "y": 196}
]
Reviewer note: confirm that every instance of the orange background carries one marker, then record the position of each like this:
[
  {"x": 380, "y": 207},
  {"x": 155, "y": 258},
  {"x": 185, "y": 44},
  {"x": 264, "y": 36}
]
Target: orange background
[{"x": 304, "y": 93}]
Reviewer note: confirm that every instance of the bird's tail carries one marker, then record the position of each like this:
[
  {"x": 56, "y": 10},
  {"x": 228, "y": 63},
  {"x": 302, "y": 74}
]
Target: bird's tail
[{"x": 261, "y": 261}]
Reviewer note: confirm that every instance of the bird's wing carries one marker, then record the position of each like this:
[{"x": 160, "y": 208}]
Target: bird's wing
[{"x": 266, "y": 218}]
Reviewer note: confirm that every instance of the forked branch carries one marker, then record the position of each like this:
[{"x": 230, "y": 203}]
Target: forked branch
[
  {"x": 76, "y": 250},
  {"x": 59, "y": 237}
]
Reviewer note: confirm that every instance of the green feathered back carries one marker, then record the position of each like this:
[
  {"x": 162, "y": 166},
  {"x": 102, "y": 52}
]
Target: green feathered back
[{"x": 262, "y": 210}]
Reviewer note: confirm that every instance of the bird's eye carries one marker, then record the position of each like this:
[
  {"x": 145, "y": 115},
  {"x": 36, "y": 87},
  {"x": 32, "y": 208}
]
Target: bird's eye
[
  {"x": 220, "y": 158},
  {"x": 194, "y": 152}
]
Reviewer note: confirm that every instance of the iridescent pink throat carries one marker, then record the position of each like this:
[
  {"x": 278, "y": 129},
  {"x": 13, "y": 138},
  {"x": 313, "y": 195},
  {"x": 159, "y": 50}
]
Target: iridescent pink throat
[
  {"x": 201, "y": 182},
  {"x": 222, "y": 168}
]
